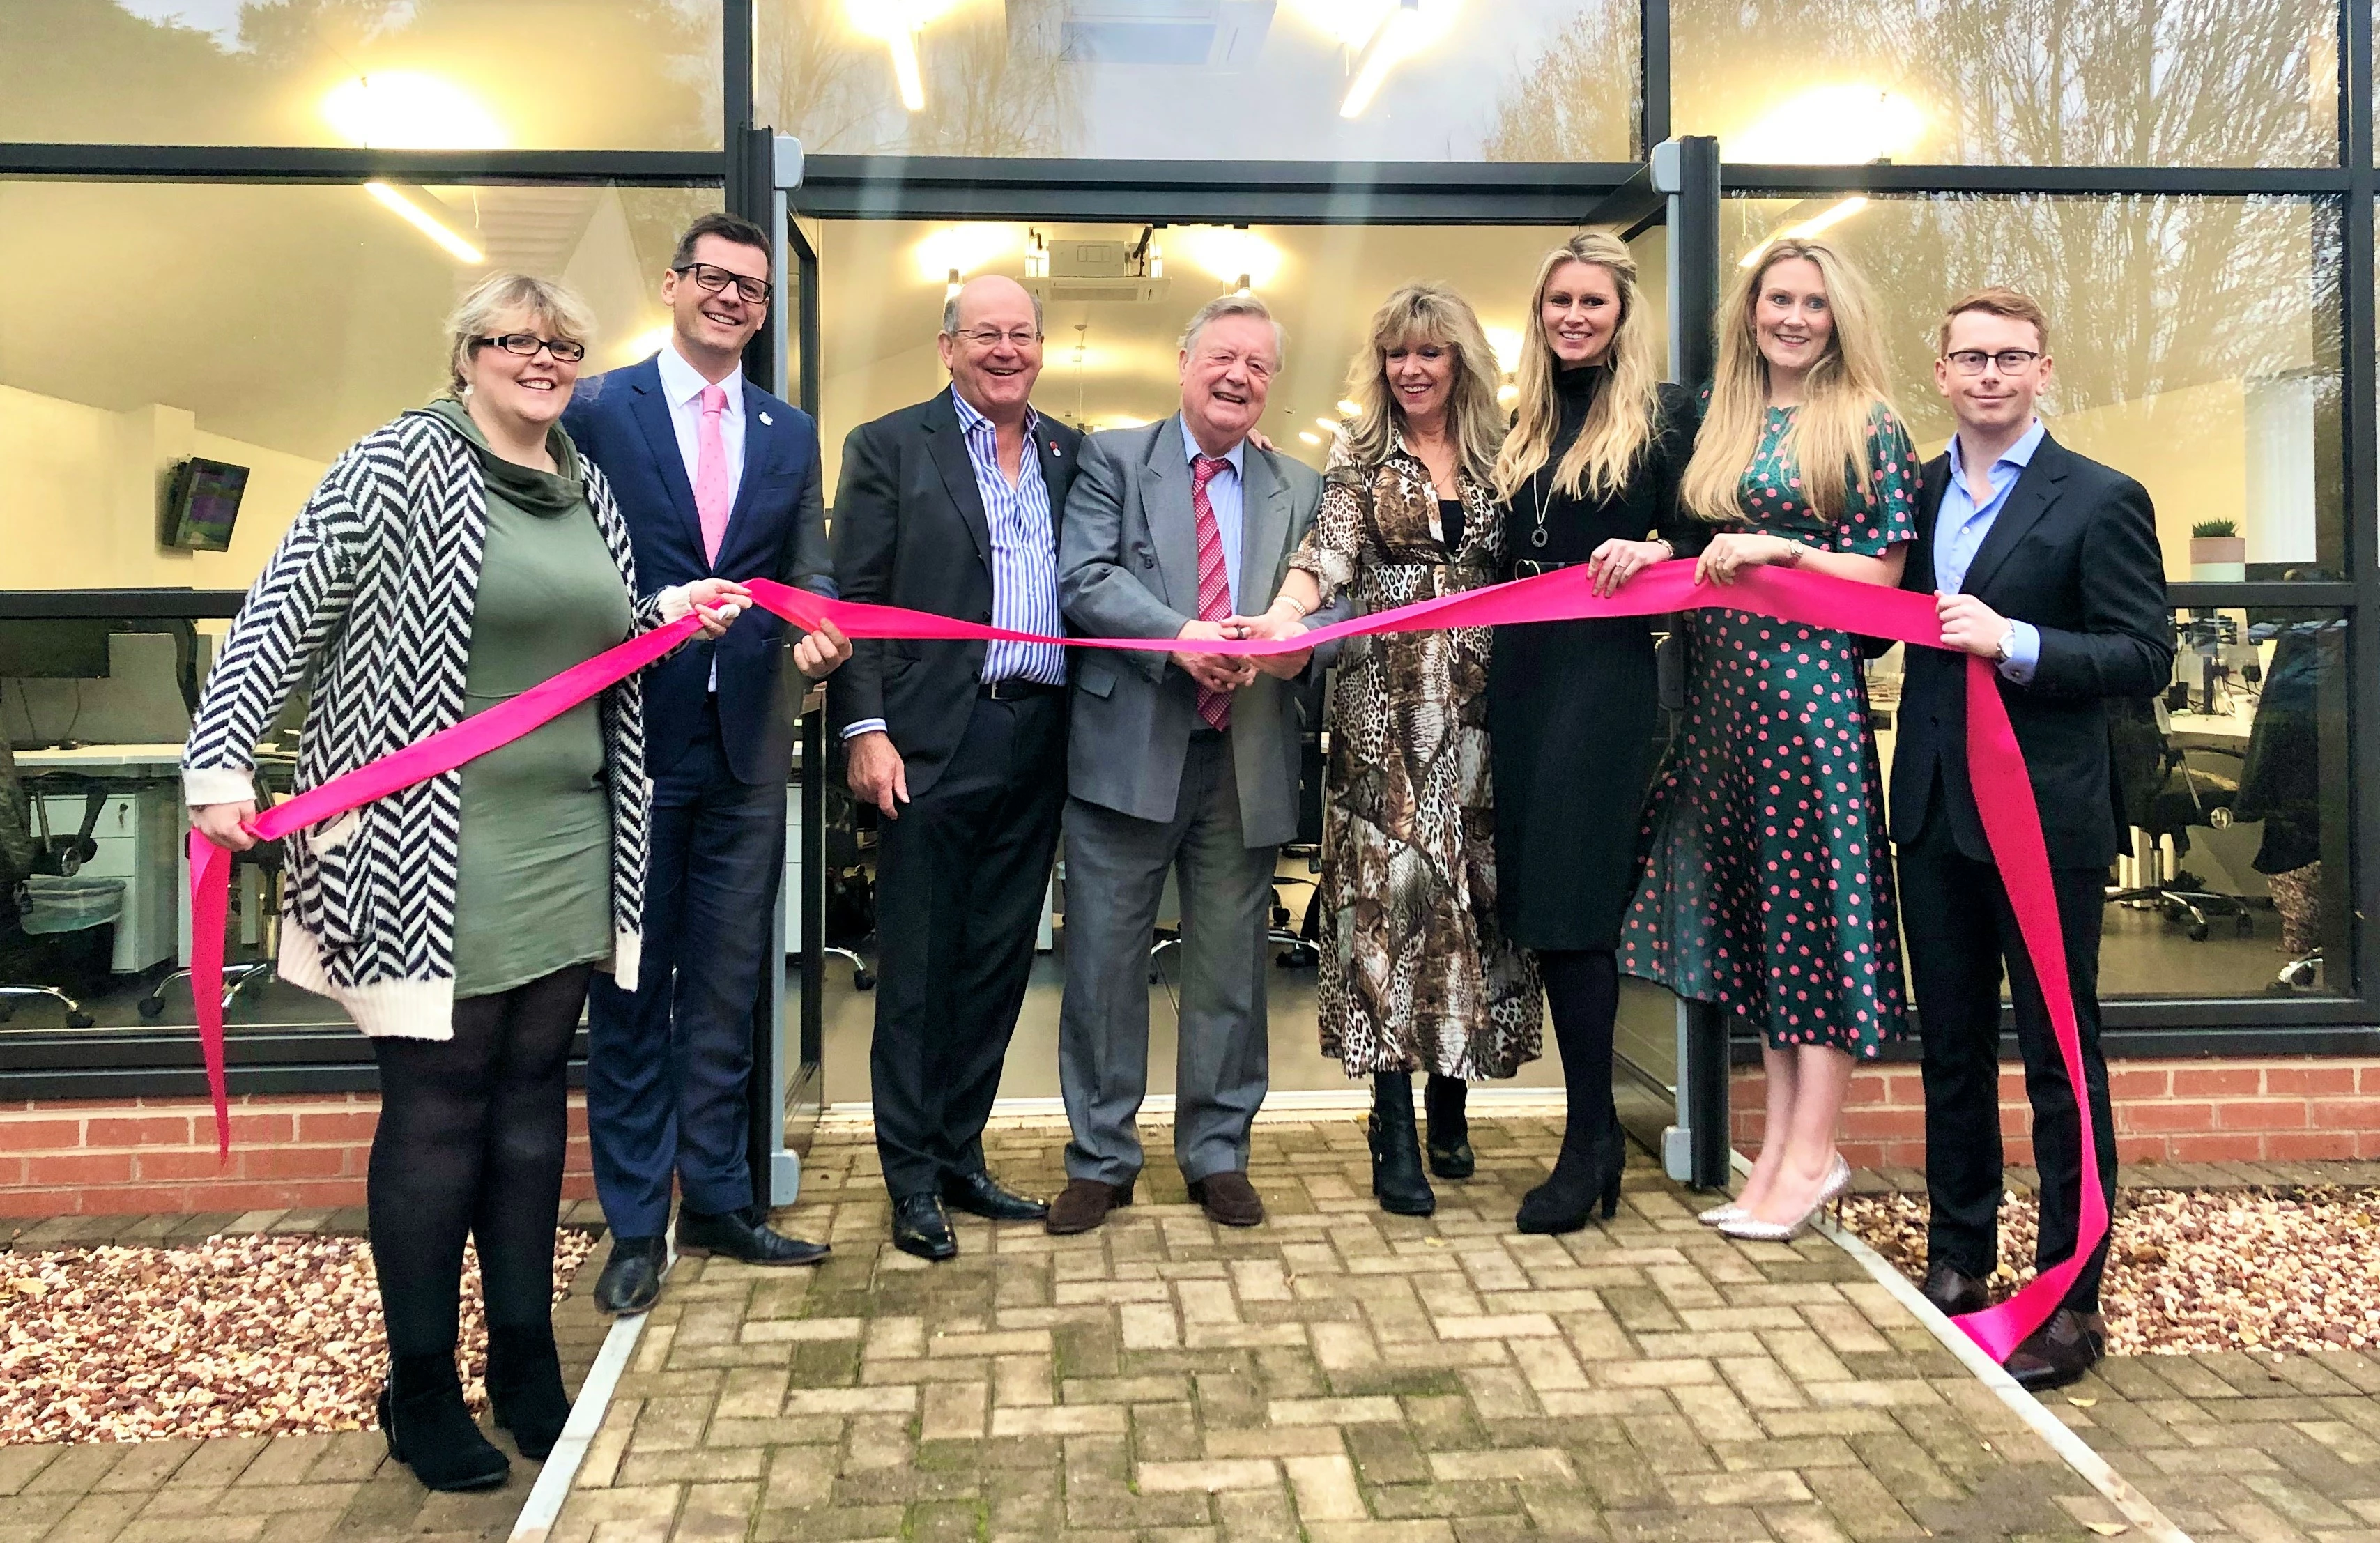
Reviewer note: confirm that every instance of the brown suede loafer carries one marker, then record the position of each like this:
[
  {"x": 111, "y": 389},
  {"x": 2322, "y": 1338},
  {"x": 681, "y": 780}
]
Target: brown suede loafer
[
  {"x": 1228, "y": 1199},
  {"x": 1084, "y": 1204}
]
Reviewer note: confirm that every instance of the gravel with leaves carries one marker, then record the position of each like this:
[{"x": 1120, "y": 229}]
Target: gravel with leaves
[
  {"x": 2287, "y": 1270},
  {"x": 248, "y": 1335}
]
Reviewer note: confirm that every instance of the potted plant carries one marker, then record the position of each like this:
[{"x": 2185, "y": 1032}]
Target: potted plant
[{"x": 2219, "y": 553}]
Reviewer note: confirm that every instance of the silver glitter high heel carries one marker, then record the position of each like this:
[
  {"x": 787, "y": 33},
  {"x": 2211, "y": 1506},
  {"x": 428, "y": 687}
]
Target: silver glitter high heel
[
  {"x": 1720, "y": 1215},
  {"x": 1749, "y": 1229}
]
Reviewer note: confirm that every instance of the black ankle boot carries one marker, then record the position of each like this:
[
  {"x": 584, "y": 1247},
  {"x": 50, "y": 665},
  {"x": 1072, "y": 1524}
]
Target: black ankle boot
[
  {"x": 1397, "y": 1179},
  {"x": 428, "y": 1430},
  {"x": 1585, "y": 1179},
  {"x": 525, "y": 1385},
  {"x": 1450, "y": 1131}
]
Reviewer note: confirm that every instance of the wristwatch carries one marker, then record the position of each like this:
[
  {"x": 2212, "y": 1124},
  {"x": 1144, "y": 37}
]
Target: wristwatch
[{"x": 2006, "y": 650}]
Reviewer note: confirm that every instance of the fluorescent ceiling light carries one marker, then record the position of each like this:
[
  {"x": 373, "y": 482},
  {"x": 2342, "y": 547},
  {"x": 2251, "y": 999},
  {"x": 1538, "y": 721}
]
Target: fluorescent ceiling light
[
  {"x": 1847, "y": 125},
  {"x": 645, "y": 344},
  {"x": 1310, "y": 436},
  {"x": 898, "y": 24},
  {"x": 402, "y": 109},
  {"x": 1327, "y": 425},
  {"x": 1414, "y": 27},
  {"x": 1823, "y": 220},
  {"x": 966, "y": 251},
  {"x": 1231, "y": 256},
  {"x": 1505, "y": 343},
  {"x": 1349, "y": 409},
  {"x": 425, "y": 221}
]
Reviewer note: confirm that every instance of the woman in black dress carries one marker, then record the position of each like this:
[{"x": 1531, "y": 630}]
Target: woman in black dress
[{"x": 1588, "y": 473}]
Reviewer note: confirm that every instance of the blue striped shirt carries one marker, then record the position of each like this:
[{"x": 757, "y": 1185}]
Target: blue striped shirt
[{"x": 1023, "y": 551}]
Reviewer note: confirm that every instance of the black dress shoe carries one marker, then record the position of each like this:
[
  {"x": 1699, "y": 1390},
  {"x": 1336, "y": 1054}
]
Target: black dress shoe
[
  {"x": 2057, "y": 1352},
  {"x": 745, "y": 1235},
  {"x": 920, "y": 1226},
  {"x": 631, "y": 1280},
  {"x": 978, "y": 1194},
  {"x": 1954, "y": 1291}
]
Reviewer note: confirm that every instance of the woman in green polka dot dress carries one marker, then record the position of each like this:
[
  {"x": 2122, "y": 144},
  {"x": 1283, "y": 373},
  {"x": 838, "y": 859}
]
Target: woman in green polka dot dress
[{"x": 1768, "y": 885}]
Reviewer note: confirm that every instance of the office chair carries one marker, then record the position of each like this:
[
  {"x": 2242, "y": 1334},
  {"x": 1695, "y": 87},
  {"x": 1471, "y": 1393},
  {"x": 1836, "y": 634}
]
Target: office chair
[
  {"x": 850, "y": 896},
  {"x": 264, "y": 860},
  {"x": 2188, "y": 796},
  {"x": 20, "y": 855}
]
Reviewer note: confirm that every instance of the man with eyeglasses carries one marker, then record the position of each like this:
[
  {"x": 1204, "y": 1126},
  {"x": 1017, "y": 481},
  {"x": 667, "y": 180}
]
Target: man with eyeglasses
[
  {"x": 716, "y": 477},
  {"x": 2046, "y": 563},
  {"x": 953, "y": 506}
]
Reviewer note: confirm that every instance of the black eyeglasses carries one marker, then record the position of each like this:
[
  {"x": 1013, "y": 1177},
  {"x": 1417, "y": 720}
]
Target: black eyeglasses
[
  {"x": 1970, "y": 361},
  {"x": 713, "y": 280},
  {"x": 525, "y": 344}
]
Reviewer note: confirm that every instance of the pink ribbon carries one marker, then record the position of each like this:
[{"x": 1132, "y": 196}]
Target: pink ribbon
[{"x": 1995, "y": 765}]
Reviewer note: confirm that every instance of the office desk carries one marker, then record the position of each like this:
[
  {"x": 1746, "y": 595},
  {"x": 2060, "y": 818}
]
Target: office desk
[
  {"x": 138, "y": 839},
  {"x": 2211, "y": 731}
]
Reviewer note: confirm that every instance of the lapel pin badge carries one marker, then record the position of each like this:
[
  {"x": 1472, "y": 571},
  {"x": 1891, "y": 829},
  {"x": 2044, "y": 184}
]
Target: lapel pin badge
[{"x": 766, "y": 418}]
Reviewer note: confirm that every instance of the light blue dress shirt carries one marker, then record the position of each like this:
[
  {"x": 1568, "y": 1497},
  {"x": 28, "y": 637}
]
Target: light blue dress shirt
[
  {"x": 1224, "y": 496},
  {"x": 1960, "y": 530}
]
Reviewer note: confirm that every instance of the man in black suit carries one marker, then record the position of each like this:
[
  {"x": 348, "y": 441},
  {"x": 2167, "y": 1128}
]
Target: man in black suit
[
  {"x": 2047, "y": 562},
  {"x": 953, "y": 506}
]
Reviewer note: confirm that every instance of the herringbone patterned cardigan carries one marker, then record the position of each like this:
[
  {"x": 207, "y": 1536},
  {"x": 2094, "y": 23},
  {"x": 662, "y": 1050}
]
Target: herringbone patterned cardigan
[{"x": 374, "y": 587}]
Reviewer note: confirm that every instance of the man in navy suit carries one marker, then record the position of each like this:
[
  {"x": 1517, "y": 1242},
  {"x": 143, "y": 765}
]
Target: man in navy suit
[{"x": 716, "y": 478}]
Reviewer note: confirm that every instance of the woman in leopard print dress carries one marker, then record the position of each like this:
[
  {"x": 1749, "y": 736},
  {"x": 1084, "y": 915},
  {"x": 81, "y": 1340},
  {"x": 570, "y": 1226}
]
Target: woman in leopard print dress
[{"x": 1417, "y": 974}]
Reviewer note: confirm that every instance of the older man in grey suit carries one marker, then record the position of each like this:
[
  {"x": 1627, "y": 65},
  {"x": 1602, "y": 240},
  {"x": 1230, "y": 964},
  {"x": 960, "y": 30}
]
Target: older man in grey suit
[{"x": 1182, "y": 760}]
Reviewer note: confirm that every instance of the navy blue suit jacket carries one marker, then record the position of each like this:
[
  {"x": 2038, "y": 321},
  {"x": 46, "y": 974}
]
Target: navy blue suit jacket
[{"x": 777, "y": 529}]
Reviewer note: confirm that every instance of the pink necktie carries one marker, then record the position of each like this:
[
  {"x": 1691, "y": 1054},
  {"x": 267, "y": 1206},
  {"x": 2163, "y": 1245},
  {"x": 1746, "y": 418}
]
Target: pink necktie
[
  {"x": 711, "y": 500},
  {"x": 1214, "y": 585}
]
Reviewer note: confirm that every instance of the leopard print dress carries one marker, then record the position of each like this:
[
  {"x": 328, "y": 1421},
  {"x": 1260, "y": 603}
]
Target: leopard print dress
[{"x": 1417, "y": 974}]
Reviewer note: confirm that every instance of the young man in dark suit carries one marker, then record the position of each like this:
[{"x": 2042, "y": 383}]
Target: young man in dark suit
[
  {"x": 2047, "y": 562},
  {"x": 717, "y": 478},
  {"x": 953, "y": 506}
]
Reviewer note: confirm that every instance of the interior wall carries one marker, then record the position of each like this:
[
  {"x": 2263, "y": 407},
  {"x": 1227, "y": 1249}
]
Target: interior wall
[{"x": 85, "y": 486}]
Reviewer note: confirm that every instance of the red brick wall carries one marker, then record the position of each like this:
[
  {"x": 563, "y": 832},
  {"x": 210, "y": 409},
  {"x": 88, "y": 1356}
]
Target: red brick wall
[
  {"x": 79, "y": 1157},
  {"x": 2283, "y": 1110}
]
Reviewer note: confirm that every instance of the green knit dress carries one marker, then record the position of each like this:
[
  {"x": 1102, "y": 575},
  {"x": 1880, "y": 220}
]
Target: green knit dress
[{"x": 533, "y": 894}]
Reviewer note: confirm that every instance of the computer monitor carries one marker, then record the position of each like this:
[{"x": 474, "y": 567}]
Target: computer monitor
[
  {"x": 53, "y": 648},
  {"x": 203, "y": 504}
]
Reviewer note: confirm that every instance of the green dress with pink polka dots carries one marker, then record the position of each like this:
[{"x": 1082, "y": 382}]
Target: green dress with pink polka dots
[{"x": 1768, "y": 885}]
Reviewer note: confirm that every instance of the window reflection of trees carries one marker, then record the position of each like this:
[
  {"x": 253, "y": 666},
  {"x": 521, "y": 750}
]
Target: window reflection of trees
[
  {"x": 558, "y": 74},
  {"x": 1578, "y": 99},
  {"x": 2033, "y": 82},
  {"x": 993, "y": 83}
]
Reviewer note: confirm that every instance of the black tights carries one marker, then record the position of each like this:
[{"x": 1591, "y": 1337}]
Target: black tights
[
  {"x": 469, "y": 1143},
  {"x": 1583, "y": 990}
]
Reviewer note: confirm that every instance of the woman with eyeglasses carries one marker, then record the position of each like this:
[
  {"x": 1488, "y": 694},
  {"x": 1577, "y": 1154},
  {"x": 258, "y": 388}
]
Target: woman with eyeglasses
[
  {"x": 1766, "y": 887},
  {"x": 450, "y": 560}
]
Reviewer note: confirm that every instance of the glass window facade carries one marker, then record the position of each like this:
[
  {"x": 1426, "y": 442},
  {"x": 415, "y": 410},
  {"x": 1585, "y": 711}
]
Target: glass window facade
[
  {"x": 2033, "y": 83},
  {"x": 1204, "y": 79},
  {"x": 425, "y": 75},
  {"x": 2168, "y": 176}
]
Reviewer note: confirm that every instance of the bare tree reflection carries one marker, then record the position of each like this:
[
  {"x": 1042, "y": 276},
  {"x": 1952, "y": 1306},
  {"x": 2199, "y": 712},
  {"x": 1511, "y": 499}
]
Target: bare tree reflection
[
  {"x": 1568, "y": 104},
  {"x": 995, "y": 84}
]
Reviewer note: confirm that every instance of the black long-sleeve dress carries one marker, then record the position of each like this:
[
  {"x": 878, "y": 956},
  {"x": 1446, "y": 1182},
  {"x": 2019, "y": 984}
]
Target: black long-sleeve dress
[{"x": 1573, "y": 708}]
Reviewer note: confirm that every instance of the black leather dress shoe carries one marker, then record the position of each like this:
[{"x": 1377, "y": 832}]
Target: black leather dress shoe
[
  {"x": 631, "y": 1280},
  {"x": 744, "y": 1235},
  {"x": 2057, "y": 1352},
  {"x": 1954, "y": 1291},
  {"x": 921, "y": 1227},
  {"x": 978, "y": 1194}
]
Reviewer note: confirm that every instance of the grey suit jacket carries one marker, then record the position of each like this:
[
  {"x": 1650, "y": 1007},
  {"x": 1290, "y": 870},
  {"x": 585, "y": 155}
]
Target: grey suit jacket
[{"x": 1128, "y": 567}]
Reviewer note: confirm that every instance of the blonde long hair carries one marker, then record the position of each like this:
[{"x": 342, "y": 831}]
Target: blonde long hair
[
  {"x": 1620, "y": 422},
  {"x": 1828, "y": 440},
  {"x": 1427, "y": 314}
]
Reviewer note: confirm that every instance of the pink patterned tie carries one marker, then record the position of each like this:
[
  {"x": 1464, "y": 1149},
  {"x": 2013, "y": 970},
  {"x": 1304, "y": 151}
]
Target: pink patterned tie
[
  {"x": 1214, "y": 585},
  {"x": 711, "y": 500}
]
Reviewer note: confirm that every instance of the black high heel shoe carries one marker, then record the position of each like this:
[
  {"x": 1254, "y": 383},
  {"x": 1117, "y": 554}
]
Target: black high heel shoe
[
  {"x": 1398, "y": 1182},
  {"x": 1585, "y": 1179},
  {"x": 1449, "y": 1130},
  {"x": 525, "y": 1386},
  {"x": 422, "y": 1417}
]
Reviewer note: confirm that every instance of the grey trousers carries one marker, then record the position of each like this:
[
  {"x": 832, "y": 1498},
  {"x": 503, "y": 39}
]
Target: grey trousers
[{"x": 1115, "y": 880}]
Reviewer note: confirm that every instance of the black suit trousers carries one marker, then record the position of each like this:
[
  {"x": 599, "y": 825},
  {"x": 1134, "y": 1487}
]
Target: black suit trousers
[
  {"x": 1960, "y": 932},
  {"x": 959, "y": 880}
]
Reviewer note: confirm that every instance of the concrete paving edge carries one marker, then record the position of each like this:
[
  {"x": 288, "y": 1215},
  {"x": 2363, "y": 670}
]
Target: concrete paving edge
[{"x": 553, "y": 1480}]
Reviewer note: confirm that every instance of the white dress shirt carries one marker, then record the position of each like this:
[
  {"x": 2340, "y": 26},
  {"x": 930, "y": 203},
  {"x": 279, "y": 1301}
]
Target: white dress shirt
[
  {"x": 1223, "y": 497},
  {"x": 681, "y": 386}
]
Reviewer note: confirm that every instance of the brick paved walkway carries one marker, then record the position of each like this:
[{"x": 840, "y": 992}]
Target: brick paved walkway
[{"x": 1337, "y": 1375}]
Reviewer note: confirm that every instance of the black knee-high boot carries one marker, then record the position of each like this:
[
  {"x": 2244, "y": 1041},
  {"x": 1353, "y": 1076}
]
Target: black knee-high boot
[
  {"x": 1449, "y": 1130},
  {"x": 1397, "y": 1179},
  {"x": 1583, "y": 990}
]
